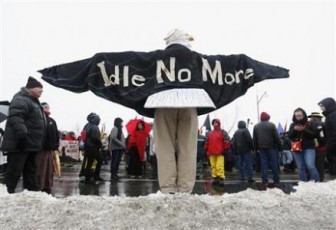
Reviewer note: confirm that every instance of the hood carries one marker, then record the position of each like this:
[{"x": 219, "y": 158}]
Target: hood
[
  {"x": 217, "y": 127},
  {"x": 241, "y": 125},
  {"x": 93, "y": 119},
  {"x": 305, "y": 117},
  {"x": 329, "y": 104}
]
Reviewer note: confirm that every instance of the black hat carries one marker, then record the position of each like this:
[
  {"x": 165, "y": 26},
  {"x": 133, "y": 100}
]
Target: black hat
[{"x": 33, "y": 83}]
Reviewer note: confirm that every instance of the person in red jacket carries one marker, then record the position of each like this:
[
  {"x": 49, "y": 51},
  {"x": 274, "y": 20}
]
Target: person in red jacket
[
  {"x": 215, "y": 146},
  {"x": 136, "y": 149}
]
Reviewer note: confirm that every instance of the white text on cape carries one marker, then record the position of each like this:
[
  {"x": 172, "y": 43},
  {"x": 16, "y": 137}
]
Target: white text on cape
[{"x": 182, "y": 75}]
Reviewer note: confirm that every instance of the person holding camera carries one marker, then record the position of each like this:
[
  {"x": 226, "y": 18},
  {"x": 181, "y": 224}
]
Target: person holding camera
[{"x": 304, "y": 131}]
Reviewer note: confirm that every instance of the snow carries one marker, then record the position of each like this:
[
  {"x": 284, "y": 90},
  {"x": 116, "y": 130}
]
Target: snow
[{"x": 312, "y": 206}]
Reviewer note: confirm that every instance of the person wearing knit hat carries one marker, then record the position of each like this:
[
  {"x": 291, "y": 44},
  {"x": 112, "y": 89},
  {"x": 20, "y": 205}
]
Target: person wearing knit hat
[
  {"x": 264, "y": 116},
  {"x": 34, "y": 87},
  {"x": 25, "y": 132},
  {"x": 267, "y": 141}
]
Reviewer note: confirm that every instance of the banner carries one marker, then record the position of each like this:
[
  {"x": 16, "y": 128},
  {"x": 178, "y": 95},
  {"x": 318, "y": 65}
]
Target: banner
[
  {"x": 69, "y": 151},
  {"x": 128, "y": 78}
]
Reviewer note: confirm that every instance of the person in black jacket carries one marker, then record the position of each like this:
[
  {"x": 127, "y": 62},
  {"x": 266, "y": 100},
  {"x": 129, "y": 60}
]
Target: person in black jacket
[
  {"x": 267, "y": 141},
  {"x": 302, "y": 129},
  {"x": 24, "y": 135},
  {"x": 328, "y": 107},
  {"x": 92, "y": 149},
  {"x": 44, "y": 158},
  {"x": 242, "y": 145}
]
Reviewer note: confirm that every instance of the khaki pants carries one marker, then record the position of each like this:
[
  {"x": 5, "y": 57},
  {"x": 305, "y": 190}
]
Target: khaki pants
[{"x": 175, "y": 140}]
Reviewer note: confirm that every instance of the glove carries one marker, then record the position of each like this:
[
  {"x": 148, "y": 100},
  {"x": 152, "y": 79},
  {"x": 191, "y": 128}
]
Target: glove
[{"x": 21, "y": 143}]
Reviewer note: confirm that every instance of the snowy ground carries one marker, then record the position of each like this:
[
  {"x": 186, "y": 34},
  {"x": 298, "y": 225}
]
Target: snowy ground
[{"x": 312, "y": 206}]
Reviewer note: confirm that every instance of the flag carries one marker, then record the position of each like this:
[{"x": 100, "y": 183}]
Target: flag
[
  {"x": 285, "y": 129},
  {"x": 207, "y": 123},
  {"x": 280, "y": 129}
]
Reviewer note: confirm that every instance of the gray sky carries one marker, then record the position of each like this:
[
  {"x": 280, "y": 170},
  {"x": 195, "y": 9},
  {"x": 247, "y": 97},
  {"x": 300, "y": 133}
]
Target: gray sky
[{"x": 299, "y": 36}]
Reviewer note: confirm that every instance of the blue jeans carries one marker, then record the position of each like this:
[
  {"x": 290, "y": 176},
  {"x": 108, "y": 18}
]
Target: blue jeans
[
  {"x": 115, "y": 160},
  {"x": 287, "y": 157},
  {"x": 246, "y": 164},
  {"x": 269, "y": 156},
  {"x": 304, "y": 159}
]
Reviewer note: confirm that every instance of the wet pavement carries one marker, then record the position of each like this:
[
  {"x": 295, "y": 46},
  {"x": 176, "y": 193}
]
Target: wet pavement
[{"x": 70, "y": 184}]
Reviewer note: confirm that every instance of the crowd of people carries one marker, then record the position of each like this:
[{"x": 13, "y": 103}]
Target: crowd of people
[{"x": 31, "y": 138}]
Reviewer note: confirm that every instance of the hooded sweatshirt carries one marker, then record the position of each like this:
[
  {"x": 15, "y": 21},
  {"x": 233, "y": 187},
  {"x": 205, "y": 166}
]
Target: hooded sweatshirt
[{"x": 242, "y": 141}]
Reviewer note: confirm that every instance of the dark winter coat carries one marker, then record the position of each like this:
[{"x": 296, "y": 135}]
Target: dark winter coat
[
  {"x": 92, "y": 140},
  {"x": 330, "y": 123},
  {"x": 265, "y": 136},
  {"x": 25, "y": 124},
  {"x": 200, "y": 146},
  {"x": 52, "y": 135},
  {"x": 308, "y": 134},
  {"x": 242, "y": 140},
  {"x": 286, "y": 142}
]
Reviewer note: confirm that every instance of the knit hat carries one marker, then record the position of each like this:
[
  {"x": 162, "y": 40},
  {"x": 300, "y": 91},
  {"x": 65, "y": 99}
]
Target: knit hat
[
  {"x": 264, "y": 116},
  {"x": 33, "y": 83}
]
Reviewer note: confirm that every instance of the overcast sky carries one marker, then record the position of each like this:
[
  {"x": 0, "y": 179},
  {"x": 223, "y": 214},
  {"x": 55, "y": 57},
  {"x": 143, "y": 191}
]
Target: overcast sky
[{"x": 299, "y": 36}]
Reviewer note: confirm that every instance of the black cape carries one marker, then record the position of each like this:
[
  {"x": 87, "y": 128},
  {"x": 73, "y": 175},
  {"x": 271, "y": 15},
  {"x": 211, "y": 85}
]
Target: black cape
[{"x": 128, "y": 78}]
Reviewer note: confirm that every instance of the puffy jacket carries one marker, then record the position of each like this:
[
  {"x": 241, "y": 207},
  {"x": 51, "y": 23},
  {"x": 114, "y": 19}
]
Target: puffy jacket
[
  {"x": 26, "y": 121},
  {"x": 92, "y": 140}
]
